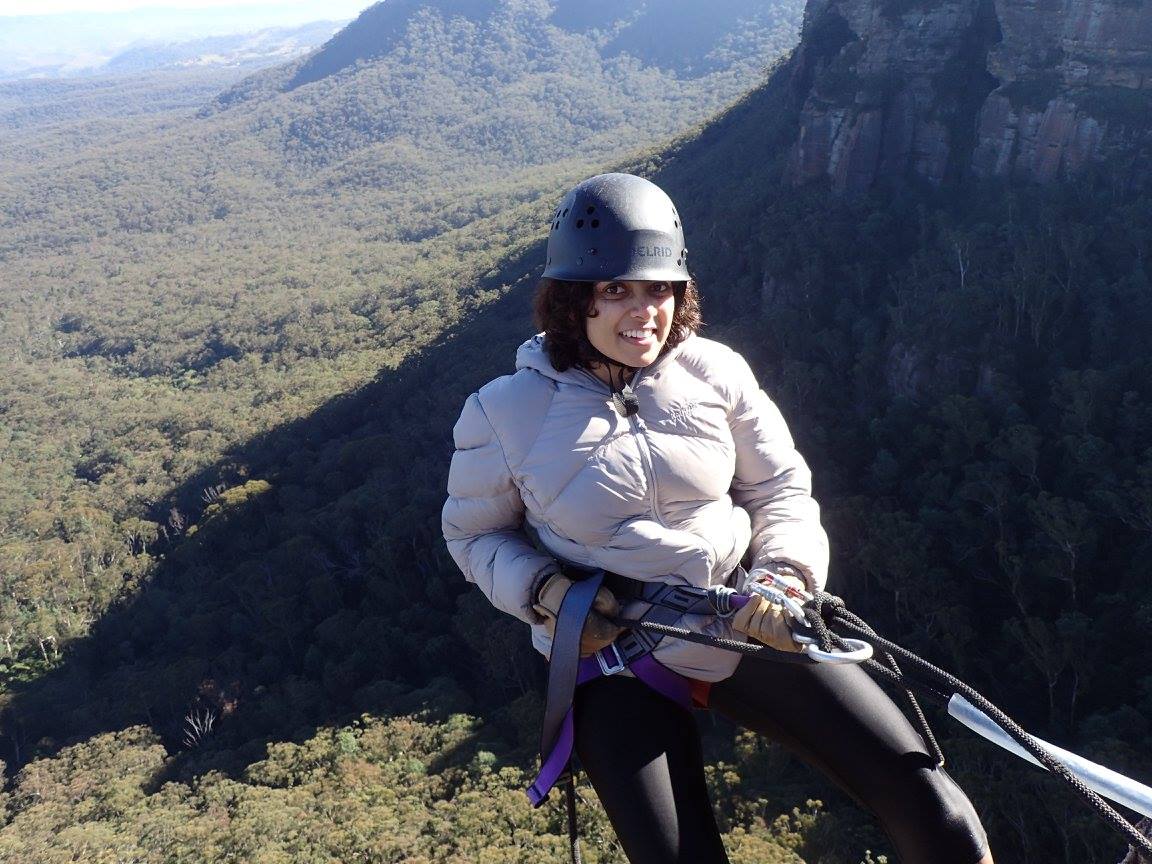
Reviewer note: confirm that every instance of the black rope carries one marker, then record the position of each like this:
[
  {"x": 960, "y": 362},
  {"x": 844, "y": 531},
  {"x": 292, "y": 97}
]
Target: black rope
[
  {"x": 828, "y": 641},
  {"x": 573, "y": 831},
  {"x": 827, "y": 609},
  {"x": 840, "y": 615},
  {"x": 764, "y": 652},
  {"x": 817, "y": 619}
]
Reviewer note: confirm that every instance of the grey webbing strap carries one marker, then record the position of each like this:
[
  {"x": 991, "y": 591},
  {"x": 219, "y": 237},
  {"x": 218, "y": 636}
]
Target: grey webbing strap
[
  {"x": 668, "y": 604},
  {"x": 564, "y": 661},
  {"x": 672, "y": 601}
]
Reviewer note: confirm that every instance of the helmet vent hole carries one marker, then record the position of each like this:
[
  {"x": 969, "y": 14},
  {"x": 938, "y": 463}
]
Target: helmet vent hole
[
  {"x": 579, "y": 223},
  {"x": 590, "y": 210},
  {"x": 676, "y": 222},
  {"x": 595, "y": 223},
  {"x": 565, "y": 213}
]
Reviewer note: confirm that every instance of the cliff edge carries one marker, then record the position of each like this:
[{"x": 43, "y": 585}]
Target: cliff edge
[{"x": 1034, "y": 90}]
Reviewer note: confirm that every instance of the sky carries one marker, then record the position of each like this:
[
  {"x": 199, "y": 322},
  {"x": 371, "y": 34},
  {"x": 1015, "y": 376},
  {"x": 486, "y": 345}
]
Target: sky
[
  {"x": 280, "y": 12},
  {"x": 48, "y": 38}
]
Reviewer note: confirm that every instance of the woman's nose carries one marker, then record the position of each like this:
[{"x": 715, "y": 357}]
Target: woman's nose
[{"x": 642, "y": 306}]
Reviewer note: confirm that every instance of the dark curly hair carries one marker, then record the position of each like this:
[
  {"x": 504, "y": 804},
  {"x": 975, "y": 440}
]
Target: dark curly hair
[{"x": 561, "y": 308}]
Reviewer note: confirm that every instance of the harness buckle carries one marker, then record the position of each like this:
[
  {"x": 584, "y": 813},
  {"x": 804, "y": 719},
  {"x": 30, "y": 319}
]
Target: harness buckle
[{"x": 607, "y": 667}]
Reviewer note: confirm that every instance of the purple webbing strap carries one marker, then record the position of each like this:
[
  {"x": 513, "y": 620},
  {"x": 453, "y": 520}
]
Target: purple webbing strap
[{"x": 660, "y": 678}]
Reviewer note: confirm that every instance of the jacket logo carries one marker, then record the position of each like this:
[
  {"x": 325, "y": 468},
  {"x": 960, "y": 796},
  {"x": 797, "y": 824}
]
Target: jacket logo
[
  {"x": 680, "y": 413},
  {"x": 652, "y": 252}
]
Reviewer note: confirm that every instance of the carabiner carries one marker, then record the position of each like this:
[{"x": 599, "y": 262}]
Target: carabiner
[
  {"x": 777, "y": 597},
  {"x": 857, "y": 651}
]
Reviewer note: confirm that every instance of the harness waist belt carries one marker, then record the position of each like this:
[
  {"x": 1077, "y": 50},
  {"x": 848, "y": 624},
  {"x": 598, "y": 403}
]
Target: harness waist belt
[{"x": 632, "y": 650}]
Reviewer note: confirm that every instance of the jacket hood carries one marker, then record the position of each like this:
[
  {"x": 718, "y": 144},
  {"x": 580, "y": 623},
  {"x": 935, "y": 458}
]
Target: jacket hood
[{"x": 531, "y": 355}]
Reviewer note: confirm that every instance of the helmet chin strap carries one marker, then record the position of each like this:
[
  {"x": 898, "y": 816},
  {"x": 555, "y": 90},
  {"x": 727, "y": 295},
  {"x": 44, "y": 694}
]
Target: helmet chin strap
[
  {"x": 625, "y": 401},
  {"x": 623, "y": 398}
]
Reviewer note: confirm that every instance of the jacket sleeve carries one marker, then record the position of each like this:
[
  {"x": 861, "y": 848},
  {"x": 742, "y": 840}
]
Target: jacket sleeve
[
  {"x": 773, "y": 483},
  {"x": 483, "y": 519}
]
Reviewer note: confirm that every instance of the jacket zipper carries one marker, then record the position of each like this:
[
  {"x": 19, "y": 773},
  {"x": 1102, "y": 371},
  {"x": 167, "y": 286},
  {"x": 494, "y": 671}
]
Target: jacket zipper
[
  {"x": 637, "y": 427},
  {"x": 646, "y": 457}
]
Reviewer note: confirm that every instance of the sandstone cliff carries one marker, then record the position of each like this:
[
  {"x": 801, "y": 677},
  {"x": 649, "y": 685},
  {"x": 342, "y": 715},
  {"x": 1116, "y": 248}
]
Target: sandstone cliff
[{"x": 1027, "y": 89}]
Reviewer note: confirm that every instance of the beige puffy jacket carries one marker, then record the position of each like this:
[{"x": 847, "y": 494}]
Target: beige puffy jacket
[{"x": 676, "y": 493}]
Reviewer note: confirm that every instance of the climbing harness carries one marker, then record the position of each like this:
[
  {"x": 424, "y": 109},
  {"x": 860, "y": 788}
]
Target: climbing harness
[
  {"x": 813, "y": 617},
  {"x": 631, "y": 650}
]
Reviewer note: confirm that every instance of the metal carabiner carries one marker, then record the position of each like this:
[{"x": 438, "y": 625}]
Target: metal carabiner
[
  {"x": 777, "y": 597},
  {"x": 781, "y": 593},
  {"x": 857, "y": 651}
]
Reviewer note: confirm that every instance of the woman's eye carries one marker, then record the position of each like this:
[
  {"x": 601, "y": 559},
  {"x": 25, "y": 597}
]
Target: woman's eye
[
  {"x": 613, "y": 289},
  {"x": 660, "y": 288}
]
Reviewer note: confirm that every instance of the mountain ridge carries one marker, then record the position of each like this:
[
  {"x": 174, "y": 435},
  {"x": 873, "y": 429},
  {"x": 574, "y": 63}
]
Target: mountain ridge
[
  {"x": 511, "y": 85},
  {"x": 675, "y": 35}
]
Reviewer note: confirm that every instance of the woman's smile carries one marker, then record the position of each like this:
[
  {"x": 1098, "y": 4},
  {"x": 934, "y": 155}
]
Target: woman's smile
[
  {"x": 639, "y": 336},
  {"x": 630, "y": 320}
]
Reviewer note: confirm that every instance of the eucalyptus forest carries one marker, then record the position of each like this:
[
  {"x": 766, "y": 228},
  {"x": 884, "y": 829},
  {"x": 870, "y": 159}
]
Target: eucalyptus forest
[{"x": 239, "y": 317}]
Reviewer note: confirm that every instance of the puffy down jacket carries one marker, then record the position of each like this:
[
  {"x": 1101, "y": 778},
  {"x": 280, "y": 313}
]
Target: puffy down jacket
[{"x": 676, "y": 493}]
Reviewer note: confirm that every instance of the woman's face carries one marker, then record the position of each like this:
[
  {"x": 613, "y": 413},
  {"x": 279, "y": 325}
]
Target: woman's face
[{"x": 631, "y": 320}]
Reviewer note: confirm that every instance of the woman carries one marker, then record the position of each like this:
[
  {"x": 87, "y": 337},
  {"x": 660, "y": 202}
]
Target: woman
[{"x": 626, "y": 443}]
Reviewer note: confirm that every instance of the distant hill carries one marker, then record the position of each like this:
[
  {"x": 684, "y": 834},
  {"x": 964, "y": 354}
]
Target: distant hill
[
  {"x": 79, "y": 43},
  {"x": 513, "y": 83},
  {"x": 29, "y": 103},
  {"x": 683, "y": 36},
  {"x": 242, "y": 50}
]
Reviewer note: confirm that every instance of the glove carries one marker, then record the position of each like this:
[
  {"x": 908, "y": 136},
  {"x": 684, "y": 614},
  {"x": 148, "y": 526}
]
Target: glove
[
  {"x": 766, "y": 621},
  {"x": 598, "y": 631}
]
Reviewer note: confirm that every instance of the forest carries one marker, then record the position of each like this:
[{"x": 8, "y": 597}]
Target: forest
[{"x": 232, "y": 355}]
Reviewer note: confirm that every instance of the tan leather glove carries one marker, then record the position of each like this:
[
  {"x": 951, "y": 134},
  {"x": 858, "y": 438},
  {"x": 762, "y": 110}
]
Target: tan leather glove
[
  {"x": 598, "y": 631},
  {"x": 767, "y": 622}
]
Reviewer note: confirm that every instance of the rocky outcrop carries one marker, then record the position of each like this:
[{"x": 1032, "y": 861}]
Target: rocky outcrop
[
  {"x": 1075, "y": 88},
  {"x": 1027, "y": 89}
]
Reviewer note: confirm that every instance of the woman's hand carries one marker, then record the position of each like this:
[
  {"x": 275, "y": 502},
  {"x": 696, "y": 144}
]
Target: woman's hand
[
  {"x": 766, "y": 621},
  {"x": 599, "y": 631}
]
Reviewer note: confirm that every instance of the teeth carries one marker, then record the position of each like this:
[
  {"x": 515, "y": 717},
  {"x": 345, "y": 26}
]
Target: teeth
[{"x": 637, "y": 334}]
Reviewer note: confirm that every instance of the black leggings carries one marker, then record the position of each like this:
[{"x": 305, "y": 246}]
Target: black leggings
[{"x": 642, "y": 754}]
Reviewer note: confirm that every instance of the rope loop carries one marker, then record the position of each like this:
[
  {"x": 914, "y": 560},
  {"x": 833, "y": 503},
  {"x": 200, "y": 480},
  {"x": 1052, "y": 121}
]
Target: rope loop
[{"x": 820, "y": 612}]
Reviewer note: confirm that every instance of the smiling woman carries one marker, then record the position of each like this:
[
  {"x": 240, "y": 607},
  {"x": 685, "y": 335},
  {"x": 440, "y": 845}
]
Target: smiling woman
[{"x": 650, "y": 468}]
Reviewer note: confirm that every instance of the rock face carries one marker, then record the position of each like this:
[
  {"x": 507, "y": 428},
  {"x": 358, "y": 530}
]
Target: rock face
[{"x": 1027, "y": 89}]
